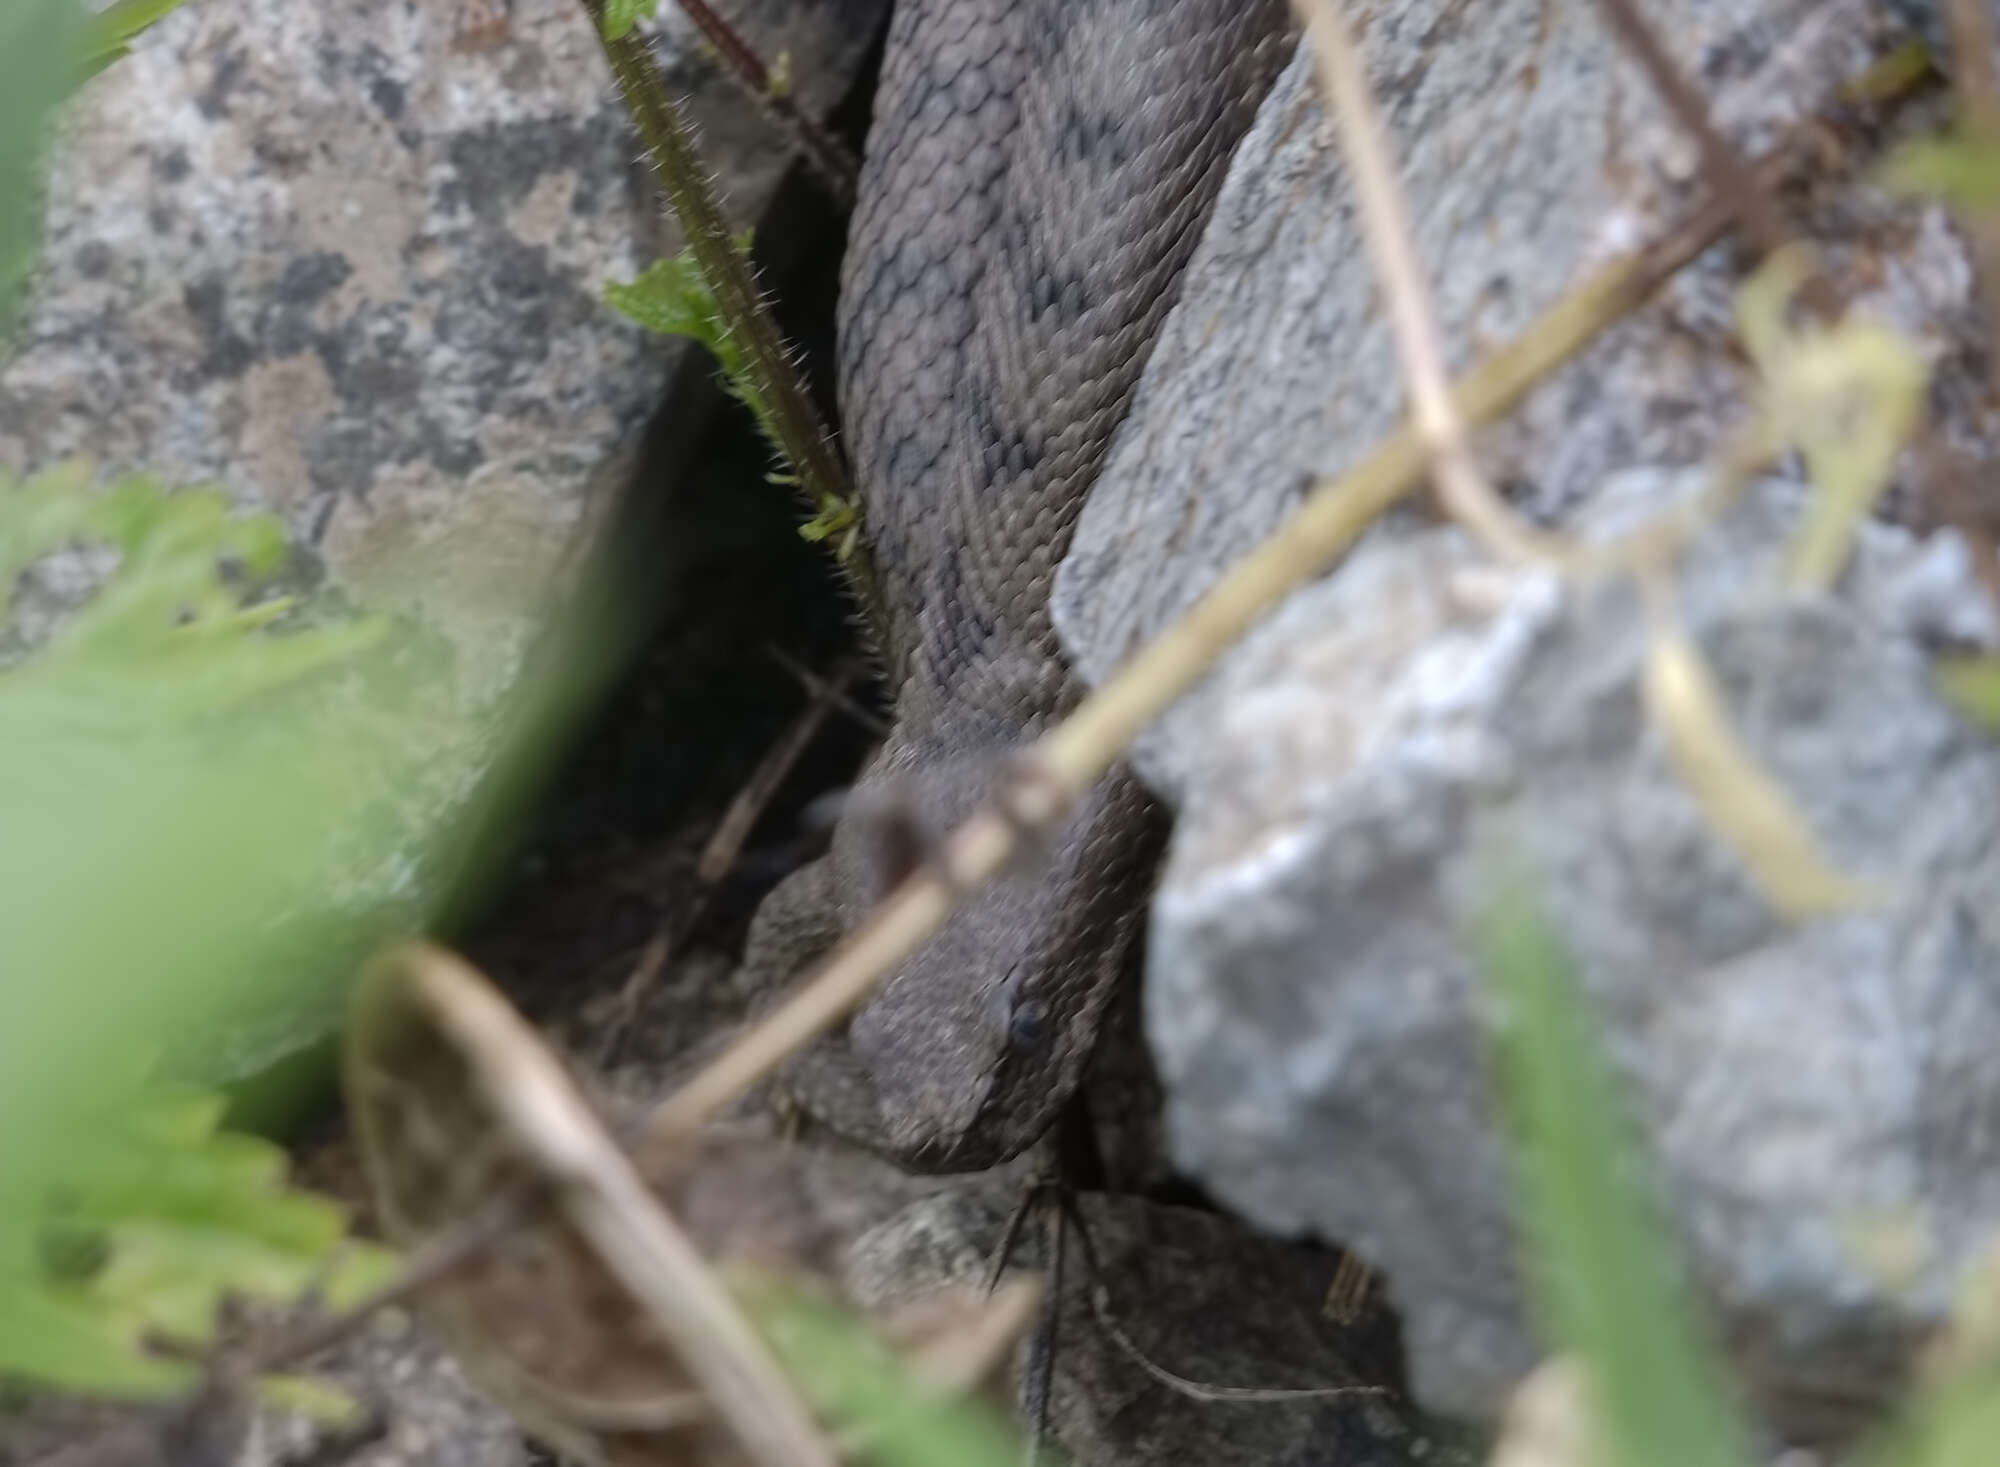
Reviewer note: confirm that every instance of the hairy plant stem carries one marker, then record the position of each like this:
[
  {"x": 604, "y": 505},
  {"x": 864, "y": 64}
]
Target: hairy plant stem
[{"x": 676, "y": 164}]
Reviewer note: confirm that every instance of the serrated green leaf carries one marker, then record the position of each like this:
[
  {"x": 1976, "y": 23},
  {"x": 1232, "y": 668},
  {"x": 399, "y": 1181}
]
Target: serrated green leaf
[
  {"x": 167, "y": 815},
  {"x": 669, "y": 297},
  {"x": 673, "y": 298},
  {"x": 57, "y": 1339},
  {"x": 171, "y": 1281},
  {"x": 1598, "y": 1258},
  {"x": 165, "y": 640},
  {"x": 182, "y": 1217},
  {"x": 207, "y": 792},
  {"x": 358, "y": 1270}
]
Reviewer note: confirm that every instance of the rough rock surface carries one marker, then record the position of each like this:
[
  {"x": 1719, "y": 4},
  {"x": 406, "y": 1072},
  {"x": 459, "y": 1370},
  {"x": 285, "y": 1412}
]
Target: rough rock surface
[
  {"x": 345, "y": 259},
  {"x": 1813, "y": 1093},
  {"x": 1532, "y": 152},
  {"x": 1202, "y": 1297}
]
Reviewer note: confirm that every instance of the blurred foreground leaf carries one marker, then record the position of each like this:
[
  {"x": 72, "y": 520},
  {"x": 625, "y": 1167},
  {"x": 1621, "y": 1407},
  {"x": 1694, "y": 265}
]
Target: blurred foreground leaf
[
  {"x": 1599, "y": 1261},
  {"x": 1962, "y": 170},
  {"x": 38, "y": 41},
  {"x": 1972, "y": 684},
  {"x": 858, "y": 1385},
  {"x": 113, "y": 29},
  {"x": 218, "y": 799},
  {"x": 156, "y": 1219}
]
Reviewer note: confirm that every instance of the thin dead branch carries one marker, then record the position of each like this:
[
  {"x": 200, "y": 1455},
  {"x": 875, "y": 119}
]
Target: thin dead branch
[
  {"x": 1727, "y": 178},
  {"x": 1392, "y": 245},
  {"x": 480, "y": 1067},
  {"x": 719, "y": 855},
  {"x": 828, "y": 157}
]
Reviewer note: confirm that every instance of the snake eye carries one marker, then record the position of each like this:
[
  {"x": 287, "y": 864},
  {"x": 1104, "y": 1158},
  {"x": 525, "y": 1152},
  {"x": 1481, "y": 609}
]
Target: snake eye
[{"x": 1028, "y": 1025}]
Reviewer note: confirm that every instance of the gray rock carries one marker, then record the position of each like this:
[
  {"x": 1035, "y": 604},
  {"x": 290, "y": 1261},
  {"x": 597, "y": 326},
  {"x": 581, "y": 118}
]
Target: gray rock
[
  {"x": 1532, "y": 153},
  {"x": 1811, "y": 1094},
  {"x": 344, "y": 259}
]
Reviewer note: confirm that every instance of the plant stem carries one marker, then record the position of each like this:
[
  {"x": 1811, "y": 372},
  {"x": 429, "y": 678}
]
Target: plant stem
[{"x": 682, "y": 177}]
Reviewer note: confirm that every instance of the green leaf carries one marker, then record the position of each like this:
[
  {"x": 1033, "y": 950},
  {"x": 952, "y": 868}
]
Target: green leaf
[
  {"x": 1972, "y": 684},
  {"x": 358, "y": 1270},
  {"x": 62, "y": 1340},
  {"x": 112, "y": 30},
  {"x": 673, "y": 298},
  {"x": 1962, "y": 171},
  {"x": 860, "y": 1387},
  {"x": 40, "y": 41},
  {"x": 621, "y": 15},
  {"x": 158, "y": 1218},
  {"x": 217, "y": 800},
  {"x": 185, "y": 769},
  {"x": 329, "y": 1405},
  {"x": 833, "y": 519},
  {"x": 1956, "y": 1425},
  {"x": 1599, "y": 1260}
]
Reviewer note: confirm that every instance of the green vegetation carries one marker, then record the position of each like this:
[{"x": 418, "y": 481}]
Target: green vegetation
[
  {"x": 1599, "y": 1261},
  {"x": 219, "y": 794},
  {"x": 181, "y": 759},
  {"x": 860, "y": 1386},
  {"x": 184, "y": 751},
  {"x": 1602, "y": 1266},
  {"x": 673, "y": 298}
]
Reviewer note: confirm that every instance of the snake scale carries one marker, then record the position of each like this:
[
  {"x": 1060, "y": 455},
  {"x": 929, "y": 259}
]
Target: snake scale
[{"x": 1036, "y": 176}]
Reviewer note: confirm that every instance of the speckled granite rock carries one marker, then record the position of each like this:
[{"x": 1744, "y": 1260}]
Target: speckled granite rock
[
  {"x": 344, "y": 259},
  {"x": 1808, "y": 1090}
]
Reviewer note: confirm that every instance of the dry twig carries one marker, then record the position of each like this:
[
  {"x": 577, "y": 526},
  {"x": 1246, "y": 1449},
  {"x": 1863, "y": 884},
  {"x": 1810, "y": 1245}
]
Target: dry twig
[
  {"x": 831, "y": 161},
  {"x": 478, "y": 1065}
]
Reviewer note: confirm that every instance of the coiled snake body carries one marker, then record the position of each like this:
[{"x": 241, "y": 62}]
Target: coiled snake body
[{"x": 1037, "y": 174}]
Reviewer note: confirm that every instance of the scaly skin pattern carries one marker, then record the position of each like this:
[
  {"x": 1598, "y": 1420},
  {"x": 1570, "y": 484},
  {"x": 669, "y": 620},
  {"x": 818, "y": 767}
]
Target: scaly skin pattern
[{"x": 1037, "y": 175}]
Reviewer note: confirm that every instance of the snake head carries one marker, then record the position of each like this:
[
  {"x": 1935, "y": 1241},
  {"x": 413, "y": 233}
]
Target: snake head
[{"x": 964, "y": 1056}]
